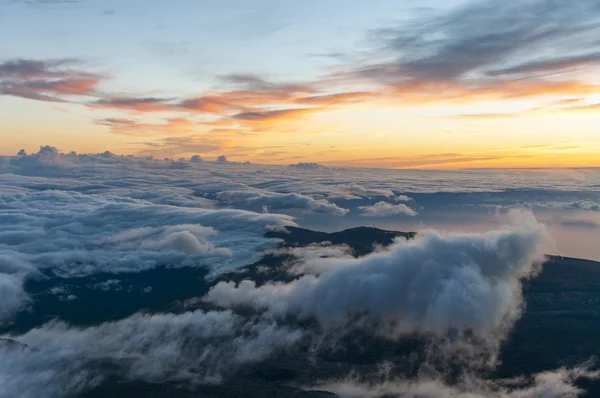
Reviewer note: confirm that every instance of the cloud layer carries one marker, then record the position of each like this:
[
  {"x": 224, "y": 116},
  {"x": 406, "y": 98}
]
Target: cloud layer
[
  {"x": 77, "y": 215},
  {"x": 432, "y": 285}
]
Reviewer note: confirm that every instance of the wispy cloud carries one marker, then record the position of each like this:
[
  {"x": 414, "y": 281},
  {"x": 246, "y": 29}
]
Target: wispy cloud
[
  {"x": 442, "y": 160},
  {"x": 143, "y": 104},
  {"x": 484, "y": 49},
  {"x": 50, "y": 80},
  {"x": 173, "y": 126}
]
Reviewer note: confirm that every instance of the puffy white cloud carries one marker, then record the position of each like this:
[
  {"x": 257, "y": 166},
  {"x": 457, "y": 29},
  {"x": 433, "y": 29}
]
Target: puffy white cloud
[
  {"x": 196, "y": 159},
  {"x": 185, "y": 238},
  {"x": 431, "y": 285},
  {"x": 47, "y": 160},
  {"x": 402, "y": 198},
  {"x": 385, "y": 209}
]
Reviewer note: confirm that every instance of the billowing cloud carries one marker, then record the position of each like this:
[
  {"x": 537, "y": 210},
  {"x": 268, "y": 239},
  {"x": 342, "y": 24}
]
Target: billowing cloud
[
  {"x": 431, "y": 285},
  {"x": 222, "y": 159},
  {"x": 112, "y": 228},
  {"x": 47, "y": 160},
  {"x": 385, "y": 209}
]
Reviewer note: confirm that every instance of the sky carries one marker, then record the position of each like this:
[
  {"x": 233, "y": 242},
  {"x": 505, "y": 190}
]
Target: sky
[{"x": 415, "y": 84}]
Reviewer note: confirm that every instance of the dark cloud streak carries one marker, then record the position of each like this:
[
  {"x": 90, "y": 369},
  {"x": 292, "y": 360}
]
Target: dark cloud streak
[{"x": 468, "y": 47}]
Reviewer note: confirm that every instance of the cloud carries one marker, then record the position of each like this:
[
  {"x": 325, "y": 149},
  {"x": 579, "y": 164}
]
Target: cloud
[
  {"x": 58, "y": 210},
  {"x": 28, "y": 68},
  {"x": 144, "y": 104},
  {"x": 552, "y": 384},
  {"x": 256, "y": 200},
  {"x": 51, "y": 80},
  {"x": 47, "y": 160},
  {"x": 361, "y": 191},
  {"x": 580, "y": 108},
  {"x": 255, "y": 83},
  {"x": 550, "y": 64},
  {"x": 484, "y": 50},
  {"x": 354, "y": 190},
  {"x": 306, "y": 259},
  {"x": 432, "y": 285},
  {"x": 384, "y": 209},
  {"x": 207, "y": 104},
  {"x": 179, "y": 145},
  {"x": 243, "y": 99},
  {"x": 562, "y": 203},
  {"x": 171, "y": 126},
  {"x": 67, "y": 216},
  {"x": 122, "y": 223},
  {"x": 307, "y": 166},
  {"x": 436, "y": 160},
  {"x": 243, "y": 102},
  {"x": 583, "y": 205},
  {"x": 260, "y": 119},
  {"x": 475, "y": 51},
  {"x": 340, "y": 98},
  {"x": 58, "y": 360},
  {"x": 190, "y": 239},
  {"x": 580, "y": 224}
]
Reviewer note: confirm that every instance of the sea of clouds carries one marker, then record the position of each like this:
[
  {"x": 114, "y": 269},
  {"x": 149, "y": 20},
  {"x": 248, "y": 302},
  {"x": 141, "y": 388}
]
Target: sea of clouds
[{"x": 73, "y": 215}]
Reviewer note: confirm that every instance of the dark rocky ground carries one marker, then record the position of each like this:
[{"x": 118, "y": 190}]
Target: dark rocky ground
[{"x": 560, "y": 326}]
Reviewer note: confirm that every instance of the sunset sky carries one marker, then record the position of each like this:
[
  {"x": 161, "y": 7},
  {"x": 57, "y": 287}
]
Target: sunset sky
[{"x": 383, "y": 83}]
